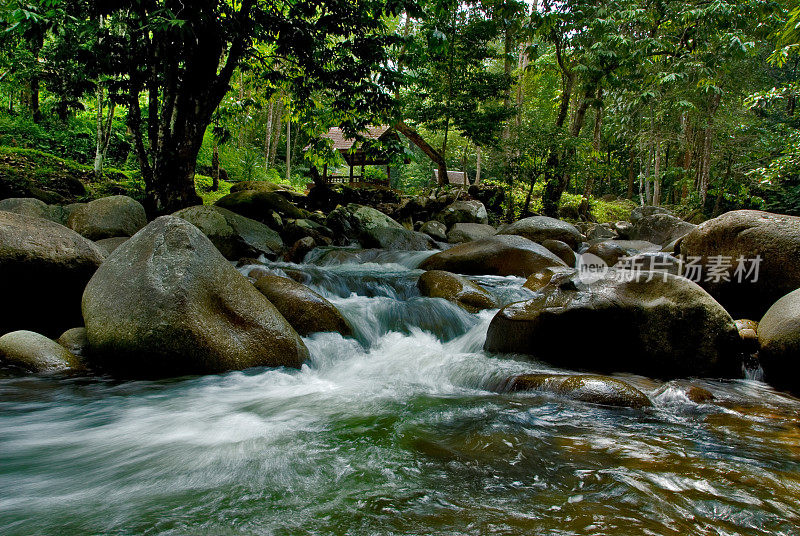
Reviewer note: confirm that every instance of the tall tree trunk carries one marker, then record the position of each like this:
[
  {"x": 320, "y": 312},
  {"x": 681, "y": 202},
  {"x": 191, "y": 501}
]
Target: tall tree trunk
[
  {"x": 598, "y": 122},
  {"x": 288, "y": 149},
  {"x": 215, "y": 167},
  {"x": 478, "y": 152},
  {"x": 268, "y": 135},
  {"x": 631, "y": 173},
  {"x": 708, "y": 138},
  {"x": 103, "y": 130},
  {"x": 657, "y": 174}
]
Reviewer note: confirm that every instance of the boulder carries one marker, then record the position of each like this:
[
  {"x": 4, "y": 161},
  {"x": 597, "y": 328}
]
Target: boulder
[
  {"x": 601, "y": 231},
  {"x": 374, "y": 229},
  {"x": 555, "y": 275},
  {"x": 397, "y": 239},
  {"x": 660, "y": 229},
  {"x": 647, "y": 210},
  {"x": 355, "y": 220},
  {"x": 454, "y": 288},
  {"x": 467, "y": 232},
  {"x": 540, "y": 228},
  {"x": 258, "y": 205},
  {"x": 435, "y": 230},
  {"x": 44, "y": 268},
  {"x": 33, "y": 352},
  {"x": 306, "y": 311},
  {"x": 719, "y": 243},
  {"x": 108, "y": 245},
  {"x": 561, "y": 250},
  {"x": 30, "y": 206},
  {"x": 652, "y": 262},
  {"x": 609, "y": 252},
  {"x": 779, "y": 337},
  {"x": 257, "y": 186},
  {"x": 167, "y": 303},
  {"x": 300, "y": 249},
  {"x": 75, "y": 341},
  {"x": 602, "y": 390},
  {"x": 107, "y": 217},
  {"x": 497, "y": 255},
  {"x": 623, "y": 229},
  {"x": 470, "y": 211},
  {"x": 233, "y": 235},
  {"x": 662, "y": 327}
]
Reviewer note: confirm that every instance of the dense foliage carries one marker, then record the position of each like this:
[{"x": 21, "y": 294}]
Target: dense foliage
[{"x": 688, "y": 103}]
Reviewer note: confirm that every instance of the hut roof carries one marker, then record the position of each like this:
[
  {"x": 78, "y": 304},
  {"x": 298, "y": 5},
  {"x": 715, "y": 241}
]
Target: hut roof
[{"x": 341, "y": 143}]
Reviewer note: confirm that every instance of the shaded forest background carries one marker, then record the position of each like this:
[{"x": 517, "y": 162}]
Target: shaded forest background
[{"x": 690, "y": 104}]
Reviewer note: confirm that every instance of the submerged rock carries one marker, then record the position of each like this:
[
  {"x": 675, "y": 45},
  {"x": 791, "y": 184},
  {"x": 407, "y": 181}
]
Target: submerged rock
[
  {"x": 36, "y": 353},
  {"x": 306, "y": 311},
  {"x": 602, "y": 390},
  {"x": 748, "y": 234},
  {"x": 167, "y": 303},
  {"x": 233, "y": 235},
  {"x": 663, "y": 327},
  {"x": 779, "y": 338},
  {"x": 454, "y": 288},
  {"x": 44, "y": 268},
  {"x": 540, "y": 228},
  {"x": 107, "y": 217},
  {"x": 496, "y": 255}
]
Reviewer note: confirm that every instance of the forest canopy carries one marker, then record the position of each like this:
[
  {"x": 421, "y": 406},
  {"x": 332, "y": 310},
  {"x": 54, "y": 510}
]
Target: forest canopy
[{"x": 688, "y": 103}]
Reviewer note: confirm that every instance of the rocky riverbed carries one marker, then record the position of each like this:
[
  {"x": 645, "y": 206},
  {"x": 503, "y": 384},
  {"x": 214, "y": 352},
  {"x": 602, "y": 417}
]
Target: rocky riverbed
[{"x": 264, "y": 367}]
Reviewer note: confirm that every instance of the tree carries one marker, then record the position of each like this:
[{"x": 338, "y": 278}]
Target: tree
[{"x": 175, "y": 62}]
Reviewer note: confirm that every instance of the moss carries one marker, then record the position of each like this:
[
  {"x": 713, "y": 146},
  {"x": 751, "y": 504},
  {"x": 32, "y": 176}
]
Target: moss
[{"x": 203, "y": 184}]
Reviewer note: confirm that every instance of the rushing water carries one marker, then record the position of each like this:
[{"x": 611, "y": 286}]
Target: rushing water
[{"x": 394, "y": 432}]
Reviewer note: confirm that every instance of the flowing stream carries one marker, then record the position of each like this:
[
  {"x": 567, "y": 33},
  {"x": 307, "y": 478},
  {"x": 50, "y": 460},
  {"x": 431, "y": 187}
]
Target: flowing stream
[{"x": 396, "y": 431}]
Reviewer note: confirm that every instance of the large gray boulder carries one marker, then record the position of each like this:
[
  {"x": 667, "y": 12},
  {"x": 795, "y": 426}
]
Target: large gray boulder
[
  {"x": 647, "y": 210},
  {"x": 30, "y": 206},
  {"x": 117, "y": 215},
  {"x": 662, "y": 326},
  {"x": 167, "y": 303},
  {"x": 306, "y": 310},
  {"x": 497, "y": 255},
  {"x": 397, "y": 239},
  {"x": 36, "y": 353},
  {"x": 660, "y": 229},
  {"x": 44, "y": 268},
  {"x": 234, "y": 236},
  {"x": 748, "y": 234},
  {"x": 779, "y": 338},
  {"x": 470, "y": 211},
  {"x": 540, "y": 228},
  {"x": 374, "y": 229},
  {"x": 467, "y": 232}
]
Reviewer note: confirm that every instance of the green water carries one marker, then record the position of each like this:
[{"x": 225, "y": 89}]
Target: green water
[{"x": 394, "y": 433}]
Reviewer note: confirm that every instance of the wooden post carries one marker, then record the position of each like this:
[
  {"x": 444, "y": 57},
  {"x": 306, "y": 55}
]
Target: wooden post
[
  {"x": 351, "y": 174},
  {"x": 325, "y": 173},
  {"x": 388, "y": 175},
  {"x": 362, "y": 173}
]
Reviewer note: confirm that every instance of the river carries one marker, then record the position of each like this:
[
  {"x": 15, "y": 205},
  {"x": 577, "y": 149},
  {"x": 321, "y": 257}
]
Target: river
[{"x": 397, "y": 431}]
